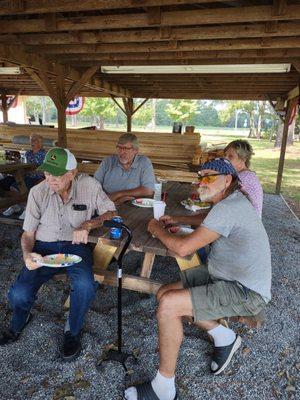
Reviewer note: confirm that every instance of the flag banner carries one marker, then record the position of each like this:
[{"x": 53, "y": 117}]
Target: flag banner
[{"x": 75, "y": 106}]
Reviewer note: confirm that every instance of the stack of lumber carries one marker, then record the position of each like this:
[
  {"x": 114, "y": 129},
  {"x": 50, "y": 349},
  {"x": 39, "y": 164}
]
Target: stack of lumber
[
  {"x": 166, "y": 149},
  {"x": 172, "y": 175}
]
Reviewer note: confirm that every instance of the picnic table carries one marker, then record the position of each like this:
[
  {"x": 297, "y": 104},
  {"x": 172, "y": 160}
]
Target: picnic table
[
  {"x": 137, "y": 218},
  {"x": 18, "y": 170}
]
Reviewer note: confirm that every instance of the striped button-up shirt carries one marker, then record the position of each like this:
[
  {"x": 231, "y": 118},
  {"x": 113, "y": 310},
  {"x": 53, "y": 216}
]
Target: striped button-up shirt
[{"x": 53, "y": 220}]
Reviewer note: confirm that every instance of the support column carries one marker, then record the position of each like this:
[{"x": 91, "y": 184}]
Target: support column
[
  {"x": 4, "y": 107},
  {"x": 56, "y": 90},
  {"x": 290, "y": 105}
]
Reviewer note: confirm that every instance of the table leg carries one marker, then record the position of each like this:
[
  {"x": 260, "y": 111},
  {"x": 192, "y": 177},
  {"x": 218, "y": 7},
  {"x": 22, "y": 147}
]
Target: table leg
[
  {"x": 147, "y": 265},
  {"x": 19, "y": 176}
]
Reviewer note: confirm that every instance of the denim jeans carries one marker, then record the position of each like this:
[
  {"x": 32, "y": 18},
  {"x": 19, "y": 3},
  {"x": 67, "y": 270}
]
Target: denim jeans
[{"x": 23, "y": 292}]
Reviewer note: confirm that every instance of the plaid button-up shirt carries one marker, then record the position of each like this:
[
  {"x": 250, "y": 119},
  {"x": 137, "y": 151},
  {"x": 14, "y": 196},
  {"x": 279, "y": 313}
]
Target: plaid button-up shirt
[{"x": 52, "y": 220}]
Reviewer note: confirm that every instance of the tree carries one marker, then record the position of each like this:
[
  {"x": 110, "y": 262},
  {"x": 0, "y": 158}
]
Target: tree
[
  {"x": 99, "y": 109},
  {"x": 143, "y": 115},
  {"x": 40, "y": 106},
  {"x": 181, "y": 110}
]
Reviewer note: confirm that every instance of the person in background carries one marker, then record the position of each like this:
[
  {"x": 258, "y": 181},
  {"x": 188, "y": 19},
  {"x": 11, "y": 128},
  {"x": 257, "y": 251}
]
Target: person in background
[
  {"x": 128, "y": 174},
  {"x": 36, "y": 156},
  {"x": 239, "y": 153},
  {"x": 58, "y": 220},
  {"x": 235, "y": 282}
]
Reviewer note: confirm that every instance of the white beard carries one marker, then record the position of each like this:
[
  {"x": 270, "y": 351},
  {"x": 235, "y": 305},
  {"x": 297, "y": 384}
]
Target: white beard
[{"x": 207, "y": 194}]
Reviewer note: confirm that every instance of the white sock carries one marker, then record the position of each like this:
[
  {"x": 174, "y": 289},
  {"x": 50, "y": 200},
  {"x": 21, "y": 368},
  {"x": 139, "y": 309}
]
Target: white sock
[
  {"x": 163, "y": 387},
  {"x": 222, "y": 336}
]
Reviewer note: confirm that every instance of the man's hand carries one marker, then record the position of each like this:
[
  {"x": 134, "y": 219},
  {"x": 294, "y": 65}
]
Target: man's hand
[
  {"x": 168, "y": 220},
  {"x": 80, "y": 235},
  {"x": 32, "y": 260},
  {"x": 123, "y": 199},
  {"x": 154, "y": 226}
]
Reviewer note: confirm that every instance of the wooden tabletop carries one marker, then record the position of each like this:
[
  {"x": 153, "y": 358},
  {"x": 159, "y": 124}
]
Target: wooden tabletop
[
  {"x": 7, "y": 167},
  {"x": 137, "y": 218}
]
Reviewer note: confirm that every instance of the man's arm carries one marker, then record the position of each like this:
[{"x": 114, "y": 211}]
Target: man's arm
[
  {"x": 140, "y": 191},
  {"x": 80, "y": 234},
  {"x": 195, "y": 220},
  {"x": 27, "y": 243},
  {"x": 182, "y": 245}
]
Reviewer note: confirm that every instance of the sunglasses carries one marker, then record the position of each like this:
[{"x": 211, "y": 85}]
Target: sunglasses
[{"x": 208, "y": 178}]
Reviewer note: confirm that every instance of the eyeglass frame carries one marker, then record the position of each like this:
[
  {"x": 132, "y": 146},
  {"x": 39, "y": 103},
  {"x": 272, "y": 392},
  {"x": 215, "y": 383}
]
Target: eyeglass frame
[
  {"x": 200, "y": 177},
  {"x": 120, "y": 147}
]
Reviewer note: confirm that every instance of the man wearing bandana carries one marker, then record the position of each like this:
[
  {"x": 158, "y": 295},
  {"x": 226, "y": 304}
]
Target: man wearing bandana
[{"x": 235, "y": 282}]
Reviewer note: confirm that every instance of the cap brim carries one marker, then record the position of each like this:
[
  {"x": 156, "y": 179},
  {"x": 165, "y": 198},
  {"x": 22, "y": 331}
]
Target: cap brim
[{"x": 55, "y": 171}]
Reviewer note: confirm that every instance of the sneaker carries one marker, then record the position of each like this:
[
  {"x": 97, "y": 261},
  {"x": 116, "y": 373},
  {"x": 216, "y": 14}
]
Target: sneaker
[
  {"x": 11, "y": 210},
  {"x": 222, "y": 356},
  {"x": 22, "y": 216},
  {"x": 9, "y": 336},
  {"x": 71, "y": 346}
]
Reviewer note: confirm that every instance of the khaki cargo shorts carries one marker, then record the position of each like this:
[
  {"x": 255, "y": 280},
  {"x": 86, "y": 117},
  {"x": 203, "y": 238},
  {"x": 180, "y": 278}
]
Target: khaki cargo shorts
[{"x": 213, "y": 299}]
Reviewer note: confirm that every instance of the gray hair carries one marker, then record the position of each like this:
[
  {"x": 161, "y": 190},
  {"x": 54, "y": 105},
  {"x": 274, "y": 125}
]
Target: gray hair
[
  {"x": 129, "y": 138},
  {"x": 243, "y": 148},
  {"x": 36, "y": 136}
]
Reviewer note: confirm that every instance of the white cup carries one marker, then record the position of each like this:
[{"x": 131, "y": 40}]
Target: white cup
[{"x": 158, "y": 209}]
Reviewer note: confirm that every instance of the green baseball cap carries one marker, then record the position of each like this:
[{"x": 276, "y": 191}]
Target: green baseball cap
[{"x": 58, "y": 161}]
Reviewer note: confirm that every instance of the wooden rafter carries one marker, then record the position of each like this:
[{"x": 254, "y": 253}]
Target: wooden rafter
[
  {"x": 16, "y": 55},
  {"x": 168, "y": 18},
  {"x": 36, "y": 7},
  {"x": 227, "y": 31}
]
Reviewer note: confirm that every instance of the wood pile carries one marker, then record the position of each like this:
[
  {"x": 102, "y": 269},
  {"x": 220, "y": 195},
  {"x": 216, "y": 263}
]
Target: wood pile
[{"x": 164, "y": 149}]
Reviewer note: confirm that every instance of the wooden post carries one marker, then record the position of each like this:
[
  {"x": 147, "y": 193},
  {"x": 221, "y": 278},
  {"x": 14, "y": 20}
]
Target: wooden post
[
  {"x": 290, "y": 106},
  {"x": 62, "y": 130},
  {"x": 4, "y": 107}
]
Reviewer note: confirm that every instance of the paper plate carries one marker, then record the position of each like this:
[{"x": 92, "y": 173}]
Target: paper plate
[
  {"x": 181, "y": 230},
  {"x": 60, "y": 260},
  {"x": 145, "y": 202},
  {"x": 192, "y": 205}
]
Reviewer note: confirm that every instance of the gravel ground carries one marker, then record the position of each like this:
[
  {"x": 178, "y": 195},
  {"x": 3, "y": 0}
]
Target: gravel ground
[{"x": 266, "y": 367}]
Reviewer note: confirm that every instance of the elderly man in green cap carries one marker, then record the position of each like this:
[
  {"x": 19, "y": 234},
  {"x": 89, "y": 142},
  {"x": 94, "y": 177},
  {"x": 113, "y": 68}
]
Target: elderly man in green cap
[{"x": 58, "y": 220}]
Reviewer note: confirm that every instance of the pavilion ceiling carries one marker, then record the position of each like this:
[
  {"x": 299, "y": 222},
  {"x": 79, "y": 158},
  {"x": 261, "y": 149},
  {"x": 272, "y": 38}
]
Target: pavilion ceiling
[{"x": 71, "y": 37}]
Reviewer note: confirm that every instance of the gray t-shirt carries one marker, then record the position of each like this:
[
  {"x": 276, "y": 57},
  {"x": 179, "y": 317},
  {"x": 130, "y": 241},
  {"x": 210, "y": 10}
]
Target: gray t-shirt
[
  {"x": 113, "y": 177},
  {"x": 242, "y": 253}
]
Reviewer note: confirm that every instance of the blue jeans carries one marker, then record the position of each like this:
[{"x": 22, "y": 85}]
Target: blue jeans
[{"x": 23, "y": 292}]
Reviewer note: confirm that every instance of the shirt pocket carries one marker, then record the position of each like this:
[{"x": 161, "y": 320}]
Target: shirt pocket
[{"x": 77, "y": 217}]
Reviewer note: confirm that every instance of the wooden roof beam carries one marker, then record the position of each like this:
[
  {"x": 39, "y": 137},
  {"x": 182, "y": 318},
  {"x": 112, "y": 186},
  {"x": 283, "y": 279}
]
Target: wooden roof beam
[
  {"x": 38, "y": 7},
  {"x": 116, "y": 58},
  {"x": 16, "y": 55},
  {"x": 228, "y": 31},
  {"x": 172, "y": 46},
  {"x": 168, "y": 18}
]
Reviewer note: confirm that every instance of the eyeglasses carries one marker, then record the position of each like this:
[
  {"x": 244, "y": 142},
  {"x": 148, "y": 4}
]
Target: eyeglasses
[
  {"x": 208, "y": 178},
  {"x": 119, "y": 147}
]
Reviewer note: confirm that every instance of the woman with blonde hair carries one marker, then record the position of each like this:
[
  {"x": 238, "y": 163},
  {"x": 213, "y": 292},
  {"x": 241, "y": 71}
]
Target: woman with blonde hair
[{"x": 239, "y": 153}]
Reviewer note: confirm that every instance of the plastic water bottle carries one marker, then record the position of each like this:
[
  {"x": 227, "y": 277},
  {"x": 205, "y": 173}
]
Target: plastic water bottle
[
  {"x": 23, "y": 156},
  {"x": 157, "y": 191}
]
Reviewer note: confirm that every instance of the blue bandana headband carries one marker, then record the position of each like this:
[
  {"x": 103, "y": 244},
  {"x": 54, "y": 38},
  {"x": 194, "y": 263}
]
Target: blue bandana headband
[{"x": 221, "y": 165}]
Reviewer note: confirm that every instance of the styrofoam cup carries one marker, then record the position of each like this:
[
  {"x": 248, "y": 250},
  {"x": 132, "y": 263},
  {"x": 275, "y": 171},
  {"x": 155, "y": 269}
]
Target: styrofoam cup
[{"x": 158, "y": 209}]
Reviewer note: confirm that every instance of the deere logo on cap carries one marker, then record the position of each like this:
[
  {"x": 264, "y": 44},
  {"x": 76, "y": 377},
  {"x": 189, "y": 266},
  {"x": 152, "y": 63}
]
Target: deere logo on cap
[{"x": 58, "y": 161}]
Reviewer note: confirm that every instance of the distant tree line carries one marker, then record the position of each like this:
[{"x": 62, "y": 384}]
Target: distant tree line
[{"x": 258, "y": 116}]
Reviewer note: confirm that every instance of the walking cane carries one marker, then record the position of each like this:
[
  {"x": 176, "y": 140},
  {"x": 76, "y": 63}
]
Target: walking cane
[{"x": 118, "y": 355}]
